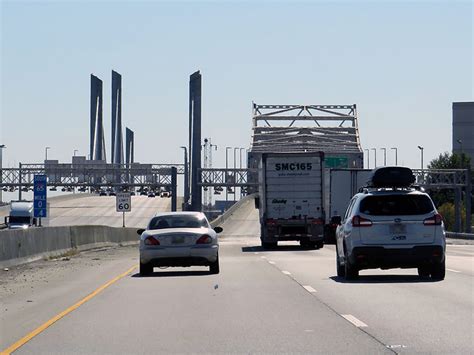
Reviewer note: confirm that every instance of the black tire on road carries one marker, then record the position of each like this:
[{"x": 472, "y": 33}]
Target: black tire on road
[
  {"x": 146, "y": 269},
  {"x": 214, "y": 267},
  {"x": 438, "y": 271},
  {"x": 341, "y": 270},
  {"x": 424, "y": 271},
  {"x": 269, "y": 245},
  {"x": 320, "y": 245},
  {"x": 351, "y": 272}
]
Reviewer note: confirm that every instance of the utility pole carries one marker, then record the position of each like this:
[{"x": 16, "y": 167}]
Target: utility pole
[
  {"x": 226, "y": 172},
  {"x": 384, "y": 156},
  {"x": 186, "y": 179},
  {"x": 421, "y": 151},
  {"x": 368, "y": 158},
  {"x": 2, "y": 147},
  {"x": 375, "y": 156},
  {"x": 46, "y": 153},
  {"x": 396, "y": 155}
]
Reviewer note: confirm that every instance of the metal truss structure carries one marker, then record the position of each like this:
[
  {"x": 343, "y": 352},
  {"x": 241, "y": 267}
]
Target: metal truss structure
[
  {"x": 93, "y": 176},
  {"x": 226, "y": 178},
  {"x": 303, "y": 128},
  {"x": 434, "y": 178}
]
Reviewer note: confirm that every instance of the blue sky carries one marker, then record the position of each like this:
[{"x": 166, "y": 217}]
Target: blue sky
[{"x": 402, "y": 63}]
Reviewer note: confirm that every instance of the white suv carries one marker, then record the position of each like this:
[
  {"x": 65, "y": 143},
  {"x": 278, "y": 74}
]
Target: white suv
[{"x": 391, "y": 227}]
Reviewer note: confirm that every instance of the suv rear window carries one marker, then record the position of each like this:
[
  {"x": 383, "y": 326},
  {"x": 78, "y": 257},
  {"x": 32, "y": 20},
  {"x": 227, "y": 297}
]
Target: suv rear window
[{"x": 393, "y": 205}]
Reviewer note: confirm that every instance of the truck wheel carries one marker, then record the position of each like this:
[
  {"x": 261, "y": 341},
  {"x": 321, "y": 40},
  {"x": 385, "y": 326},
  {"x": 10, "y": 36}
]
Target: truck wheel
[
  {"x": 438, "y": 271},
  {"x": 319, "y": 245},
  {"x": 146, "y": 269},
  {"x": 269, "y": 245},
  {"x": 214, "y": 267}
]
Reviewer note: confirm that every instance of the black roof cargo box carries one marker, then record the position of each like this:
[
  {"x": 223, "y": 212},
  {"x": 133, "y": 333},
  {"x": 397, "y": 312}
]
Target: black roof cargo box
[{"x": 391, "y": 176}]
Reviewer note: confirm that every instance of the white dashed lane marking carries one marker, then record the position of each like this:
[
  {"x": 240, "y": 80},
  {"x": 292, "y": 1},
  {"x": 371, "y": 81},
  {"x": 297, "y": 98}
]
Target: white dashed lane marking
[
  {"x": 271, "y": 262},
  {"x": 452, "y": 270},
  {"x": 354, "y": 320},
  {"x": 309, "y": 288},
  {"x": 286, "y": 272}
]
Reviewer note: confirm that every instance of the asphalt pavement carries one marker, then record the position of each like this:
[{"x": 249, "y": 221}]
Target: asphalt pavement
[{"x": 286, "y": 300}]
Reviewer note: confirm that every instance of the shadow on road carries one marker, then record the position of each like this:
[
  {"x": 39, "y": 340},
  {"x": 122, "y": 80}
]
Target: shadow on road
[
  {"x": 173, "y": 274},
  {"x": 278, "y": 248},
  {"x": 382, "y": 279}
]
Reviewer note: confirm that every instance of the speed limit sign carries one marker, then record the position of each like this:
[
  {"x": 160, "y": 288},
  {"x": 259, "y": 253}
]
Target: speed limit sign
[{"x": 123, "y": 202}]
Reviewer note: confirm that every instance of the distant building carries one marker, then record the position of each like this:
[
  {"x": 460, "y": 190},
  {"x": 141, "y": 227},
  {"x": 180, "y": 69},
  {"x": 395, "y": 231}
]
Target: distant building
[{"x": 463, "y": 129}]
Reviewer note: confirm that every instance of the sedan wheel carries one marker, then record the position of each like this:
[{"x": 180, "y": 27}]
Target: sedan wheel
[
  {"x": 146, "y": 269},
  {"x": 214, "y": 267}
]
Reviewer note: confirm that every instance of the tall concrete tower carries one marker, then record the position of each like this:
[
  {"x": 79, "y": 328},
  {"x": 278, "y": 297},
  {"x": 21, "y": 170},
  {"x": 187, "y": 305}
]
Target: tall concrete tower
[
  {"x": 97, "y": 140},
  {"x": 117, "y": 136},
  {"x": 129, "y": 146},
  {"x": 195, "y": 140}
]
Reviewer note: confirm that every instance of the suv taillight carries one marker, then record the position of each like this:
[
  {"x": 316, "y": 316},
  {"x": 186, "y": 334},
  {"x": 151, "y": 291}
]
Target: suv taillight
[
  {"x": 271, "y": 222},
  {"x": 436, "y": 220},
  {"x": 358, "y": 221},
  {"x": 205, "y": 239},
  {"x": 151, "y": 241}
]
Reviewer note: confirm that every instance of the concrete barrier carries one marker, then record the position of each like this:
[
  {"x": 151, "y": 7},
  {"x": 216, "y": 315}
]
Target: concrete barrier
[
  {"x": 223, "y": 217},
  {"x": 454, "y": 235},
  {"x": 22, "y": 246}
]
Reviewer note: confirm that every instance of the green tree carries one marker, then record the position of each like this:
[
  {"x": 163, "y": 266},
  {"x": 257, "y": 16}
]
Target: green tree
[{"x": 445, "y": 197}]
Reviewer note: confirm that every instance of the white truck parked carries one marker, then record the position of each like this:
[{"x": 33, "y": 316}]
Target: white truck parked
[
  {"x": 21, "y": 215},
  {"x": 290, "y": 198}
]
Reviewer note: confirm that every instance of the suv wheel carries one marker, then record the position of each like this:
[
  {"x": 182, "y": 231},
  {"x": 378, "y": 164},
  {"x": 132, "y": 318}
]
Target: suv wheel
[
  {"x": 341, "y": 270},
  {"x": 438, "y": 271}
]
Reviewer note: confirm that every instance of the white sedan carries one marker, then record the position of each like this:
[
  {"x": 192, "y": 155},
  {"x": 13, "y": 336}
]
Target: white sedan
[{"x": 179, "y": 239}]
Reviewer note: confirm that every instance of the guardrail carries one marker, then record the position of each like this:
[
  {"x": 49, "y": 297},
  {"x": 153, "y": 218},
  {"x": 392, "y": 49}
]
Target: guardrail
[{"x": 454, "y": 235}]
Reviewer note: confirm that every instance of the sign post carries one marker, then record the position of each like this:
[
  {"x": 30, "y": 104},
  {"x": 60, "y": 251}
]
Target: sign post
[
  {"x": 40, "y": 200},
  {"x": 123, "y": 203}
]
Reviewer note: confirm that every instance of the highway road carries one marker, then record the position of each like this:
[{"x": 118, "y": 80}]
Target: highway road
[
  {"x": 286, "y": 300},
  {"x": 86, "y": 209}
]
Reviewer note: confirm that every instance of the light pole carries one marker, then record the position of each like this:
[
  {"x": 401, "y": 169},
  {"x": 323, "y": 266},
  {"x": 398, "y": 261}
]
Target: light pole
[
  {"x": 396, "y": 155},
  {"x": 186, "y": 179},
  {"x": 235, "y": 175},
  {"x": 3, "y": 146},
  {"x": 421, "y": 151},
  {"x": 240, "y": 155},
  {"x": 46, "y": 153},
  {"x": 375, "y": 156},
  {"x": 368, "y": 158},
  {"x": 384, "y": 156},
  {"x": 75, "y": 151},
  {"x": 226, "y": 172}
]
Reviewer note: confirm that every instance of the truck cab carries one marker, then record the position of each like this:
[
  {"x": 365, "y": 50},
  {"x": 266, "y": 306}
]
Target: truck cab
[{"x": 21, "y": 215}]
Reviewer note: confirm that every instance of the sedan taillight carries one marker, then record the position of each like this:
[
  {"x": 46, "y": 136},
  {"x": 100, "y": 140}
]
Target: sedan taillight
[
  {"x": 204, "y": 239},
  {"x": 358, "y": 221},
  {"x": 151, "y": 241},
  {"x": 436, "y": 220}
]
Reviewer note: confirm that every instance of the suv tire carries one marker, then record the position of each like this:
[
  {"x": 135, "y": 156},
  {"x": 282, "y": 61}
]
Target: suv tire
[
  {"x": 424, "y": 271},
  {"x": 438, "y": 271},
  {"x": 351, "y": 273},
  {"x": 214, "y": 267}
]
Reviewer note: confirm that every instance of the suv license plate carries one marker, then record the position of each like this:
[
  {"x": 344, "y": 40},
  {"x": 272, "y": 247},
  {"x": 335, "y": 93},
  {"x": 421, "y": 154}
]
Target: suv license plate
[
  {"x": 178, "y": 240},
  {"x": 398, "y": 229}
]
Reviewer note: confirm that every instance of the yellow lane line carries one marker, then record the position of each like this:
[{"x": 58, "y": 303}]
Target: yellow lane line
[{"x": 50, "y": 322}]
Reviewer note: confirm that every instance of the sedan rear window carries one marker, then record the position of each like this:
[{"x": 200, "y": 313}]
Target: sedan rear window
[
  {"x": 393, "y": 205},
  {"x": 177, "y": 221}
]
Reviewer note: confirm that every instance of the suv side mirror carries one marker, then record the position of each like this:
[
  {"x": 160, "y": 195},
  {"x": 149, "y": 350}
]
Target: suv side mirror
[
  {"x": 140, "y": 231},
  {"x": 336, "y": 220},
  {"x": 257, "y": 202},
  {"x": 218, "y": 229}
]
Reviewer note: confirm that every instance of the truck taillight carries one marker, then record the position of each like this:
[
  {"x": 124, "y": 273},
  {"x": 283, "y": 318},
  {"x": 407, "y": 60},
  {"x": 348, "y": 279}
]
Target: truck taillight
[
  {"x": 317, "y": 221},
  {"x": 358, "y": 221},
  {"x": 271, "y": 222},
  {"x": 436, "y": 220},
  {"x": 151, "y": 241}
]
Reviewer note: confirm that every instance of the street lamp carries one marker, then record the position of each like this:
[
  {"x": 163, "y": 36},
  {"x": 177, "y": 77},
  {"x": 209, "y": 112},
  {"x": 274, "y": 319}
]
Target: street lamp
[
  {"x": 368, "y": 158},
  {"x": 186, "y": 178},
  {"x": 226, "y": 172},
  {"x": 396, "y": 155},
  {"x": 3, "y": 146},
  {"x": 375, "y": 156},
  {"x": 384, "y": 156},
  {"x": 421, "y": 151},
  {"x": 235, "y": 174},
  {"x": 75, "y": 151},
  {"x": 46, "y": 153}
]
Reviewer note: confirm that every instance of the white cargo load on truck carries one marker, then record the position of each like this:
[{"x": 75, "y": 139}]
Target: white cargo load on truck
[{"x": 293, "y": 187}]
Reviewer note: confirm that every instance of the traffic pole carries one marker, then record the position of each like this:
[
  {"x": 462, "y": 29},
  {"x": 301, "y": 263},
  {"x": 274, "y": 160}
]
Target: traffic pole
[{"x": 123, "y": 219}]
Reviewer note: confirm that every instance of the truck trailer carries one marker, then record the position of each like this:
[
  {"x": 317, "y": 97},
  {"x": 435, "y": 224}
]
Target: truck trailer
[{"x": 290, "y": 199}]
